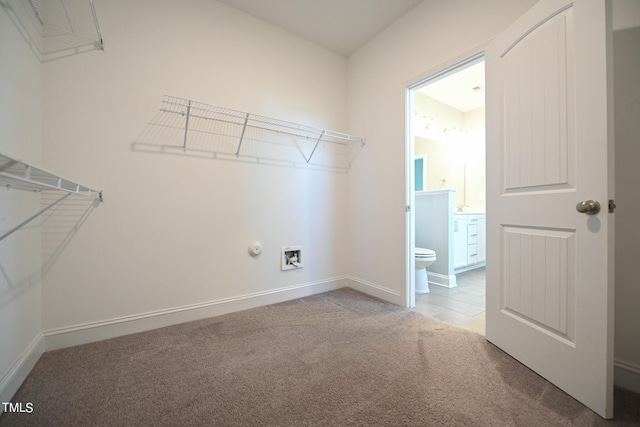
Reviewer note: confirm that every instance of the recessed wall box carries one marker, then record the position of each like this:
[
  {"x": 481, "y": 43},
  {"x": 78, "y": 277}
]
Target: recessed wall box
[{"x": 291, "y": 258}]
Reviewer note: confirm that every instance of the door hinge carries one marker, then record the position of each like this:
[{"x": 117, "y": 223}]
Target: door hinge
[
  {"x": 407, "y": 208},
  {"x": 612, "y": 206}
]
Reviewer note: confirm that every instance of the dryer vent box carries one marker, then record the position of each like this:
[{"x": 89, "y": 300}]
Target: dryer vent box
[{"x": 291, "y": 258}]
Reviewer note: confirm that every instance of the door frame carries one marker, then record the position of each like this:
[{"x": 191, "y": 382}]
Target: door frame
[{"x": 410, "y": 87}]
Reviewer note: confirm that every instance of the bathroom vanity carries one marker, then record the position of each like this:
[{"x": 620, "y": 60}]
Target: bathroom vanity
[{"x": 469, "y": 241}]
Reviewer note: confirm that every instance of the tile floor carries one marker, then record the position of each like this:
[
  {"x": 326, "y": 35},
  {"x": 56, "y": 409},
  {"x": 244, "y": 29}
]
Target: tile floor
[{"x": 463, "y": 305}]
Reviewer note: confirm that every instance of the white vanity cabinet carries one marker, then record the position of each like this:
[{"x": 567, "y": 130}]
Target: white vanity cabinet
[
  {"x": 482, "y": 238},
  {"x": 469, "y": 237},
  {"x": 459, "y": 241}
]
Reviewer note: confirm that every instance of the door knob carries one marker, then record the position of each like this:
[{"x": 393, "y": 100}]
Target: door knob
[{"x": 589, "y": 207}]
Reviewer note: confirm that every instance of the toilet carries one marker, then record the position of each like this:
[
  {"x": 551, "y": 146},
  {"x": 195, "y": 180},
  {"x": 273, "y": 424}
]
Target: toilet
[{"x": 424, "y": 258}]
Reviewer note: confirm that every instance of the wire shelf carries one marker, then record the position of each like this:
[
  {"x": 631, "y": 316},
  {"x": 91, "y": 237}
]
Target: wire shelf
[
  {"x": 187, "y": 125},
  {"x": 22, "y": 176},
  {"x": 55, "y": 26}
]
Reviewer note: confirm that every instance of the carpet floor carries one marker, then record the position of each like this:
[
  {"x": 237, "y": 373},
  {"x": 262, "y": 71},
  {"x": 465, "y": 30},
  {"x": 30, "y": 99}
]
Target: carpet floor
[{"x": 334, "y": 359}]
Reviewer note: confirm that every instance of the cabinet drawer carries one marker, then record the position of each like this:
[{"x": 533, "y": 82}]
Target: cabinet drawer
[
  {"x": 472, "y": 234},
  {"x": 472, "y": 254}
]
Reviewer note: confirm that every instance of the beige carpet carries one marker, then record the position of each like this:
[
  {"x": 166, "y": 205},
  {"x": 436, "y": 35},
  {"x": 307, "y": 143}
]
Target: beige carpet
[{"x": 335, "y": 359}]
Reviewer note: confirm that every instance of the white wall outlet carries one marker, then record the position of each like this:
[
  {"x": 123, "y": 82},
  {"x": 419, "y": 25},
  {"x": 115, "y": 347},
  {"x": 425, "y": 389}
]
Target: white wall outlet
[{"x": 291, "y": 258}]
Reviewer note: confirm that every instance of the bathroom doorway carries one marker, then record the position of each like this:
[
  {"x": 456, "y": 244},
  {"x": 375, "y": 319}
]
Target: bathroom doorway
[{"x": 447, "y": 185}]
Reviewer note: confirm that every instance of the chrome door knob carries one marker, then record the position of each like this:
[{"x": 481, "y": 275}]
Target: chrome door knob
[{"x": 589, "y": 207}]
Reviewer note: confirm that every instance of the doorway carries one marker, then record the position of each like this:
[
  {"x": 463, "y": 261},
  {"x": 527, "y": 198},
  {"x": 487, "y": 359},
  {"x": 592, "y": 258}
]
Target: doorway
[{"x": 447, "y": 180}]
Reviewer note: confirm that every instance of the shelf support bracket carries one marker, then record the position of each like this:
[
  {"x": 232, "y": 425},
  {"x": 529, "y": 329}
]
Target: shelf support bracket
[
  {"x": 244, "y": 127},
  {"x": 315, "y": 146},
  {"x": 186, "y": 126},
  {"x": 31, "y": 218}
]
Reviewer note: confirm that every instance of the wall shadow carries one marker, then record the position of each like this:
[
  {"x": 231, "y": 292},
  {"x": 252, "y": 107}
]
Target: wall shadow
[{"x": 57, "y": 228}]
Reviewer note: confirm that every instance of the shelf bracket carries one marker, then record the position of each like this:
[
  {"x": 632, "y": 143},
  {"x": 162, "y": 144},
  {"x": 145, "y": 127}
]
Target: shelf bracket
[
  {"x": 18, "y": 175},
  {"x": 99, "y": 44},
  {"x": 31, "y": 218},
  {"x": 315, "y": 146},
  {"x": 186, "y": 126},
  {"x": 244, "y": 128}
]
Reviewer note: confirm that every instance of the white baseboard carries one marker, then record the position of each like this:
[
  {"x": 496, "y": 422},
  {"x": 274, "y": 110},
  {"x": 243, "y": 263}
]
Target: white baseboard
[
  {"x": 15, "y": 376},
  {"x": 448, "y": 281},
  {"x": 626, "y": 375},
  {"x": 376, "y": 291},
  {"x": 97, "y": 331}
]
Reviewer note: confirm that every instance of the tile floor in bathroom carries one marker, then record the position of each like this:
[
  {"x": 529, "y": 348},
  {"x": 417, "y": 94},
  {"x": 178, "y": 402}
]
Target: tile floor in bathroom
[{"x": 463, "y": 305}]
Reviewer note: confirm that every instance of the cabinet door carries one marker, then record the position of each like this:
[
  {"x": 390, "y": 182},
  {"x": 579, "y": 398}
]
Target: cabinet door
[{"x": 460, "y": 241}]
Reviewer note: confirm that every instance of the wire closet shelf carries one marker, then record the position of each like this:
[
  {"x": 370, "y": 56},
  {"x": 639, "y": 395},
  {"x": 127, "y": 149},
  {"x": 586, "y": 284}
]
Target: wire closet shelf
[
  {"x": 15, "y": 174},
  {"x": 56, "y": 27},
  {"x": 186, "y": 125}
]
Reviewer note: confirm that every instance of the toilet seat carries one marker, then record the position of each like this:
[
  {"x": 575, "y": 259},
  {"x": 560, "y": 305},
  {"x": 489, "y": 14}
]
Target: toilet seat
[
  {"x": 424, "y": 258},
  {"x": 424, "y": 253}
]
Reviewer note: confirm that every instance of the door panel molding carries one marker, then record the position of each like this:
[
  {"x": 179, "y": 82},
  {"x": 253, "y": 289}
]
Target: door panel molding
[
  {"x": 538, "y": 283},
  {"x": 538, "y": 138}
]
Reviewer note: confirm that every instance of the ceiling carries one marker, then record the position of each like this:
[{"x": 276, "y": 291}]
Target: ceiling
[
  {"x": 342, "y": 26},
  {"x": 339, "y": 25},
  {"x": 462, "y": 89}
]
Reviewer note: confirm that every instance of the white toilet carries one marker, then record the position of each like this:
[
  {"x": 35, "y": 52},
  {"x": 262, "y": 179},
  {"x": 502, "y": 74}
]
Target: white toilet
[{"x": 424, "y": 258}]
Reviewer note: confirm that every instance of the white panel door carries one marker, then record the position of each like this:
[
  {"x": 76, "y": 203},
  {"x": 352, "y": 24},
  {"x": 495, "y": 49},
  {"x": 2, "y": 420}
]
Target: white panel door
[{"x": 549, "y": 145}]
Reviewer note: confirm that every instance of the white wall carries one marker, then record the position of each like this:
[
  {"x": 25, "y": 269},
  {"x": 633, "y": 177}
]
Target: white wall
[
  {"x": 433, "y": 33},
  {"x": 476, "y": 160},
  {"x": 173, "y": 231},
  {"x": 20, "y": 260}
]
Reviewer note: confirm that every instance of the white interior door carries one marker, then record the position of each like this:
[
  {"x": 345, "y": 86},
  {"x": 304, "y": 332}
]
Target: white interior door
[{"x": 550, "y": 146}]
